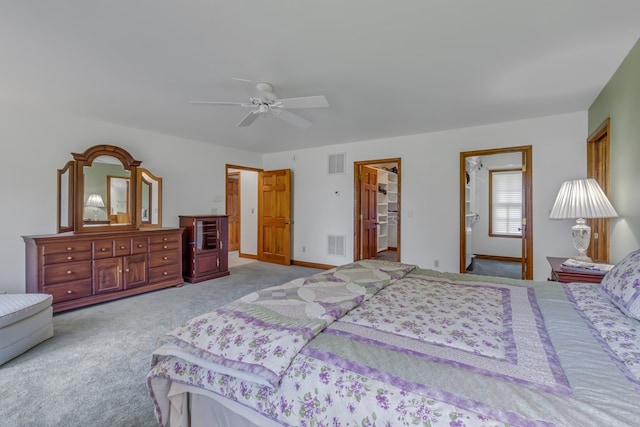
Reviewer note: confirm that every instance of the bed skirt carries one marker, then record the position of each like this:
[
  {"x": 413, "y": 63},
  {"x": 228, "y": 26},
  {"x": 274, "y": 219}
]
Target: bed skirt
[{"x": 195, "y": 407}]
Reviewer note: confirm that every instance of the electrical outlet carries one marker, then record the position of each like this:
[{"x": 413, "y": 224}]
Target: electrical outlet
[{"x": 436, "y": 263}]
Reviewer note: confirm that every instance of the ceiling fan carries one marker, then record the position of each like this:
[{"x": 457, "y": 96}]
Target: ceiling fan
[{"x": 268, "y": 104}]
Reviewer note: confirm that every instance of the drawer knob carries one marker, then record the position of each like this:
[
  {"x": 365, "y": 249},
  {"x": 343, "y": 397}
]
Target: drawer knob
[
  {"x": 69, "y": 272},
  {"x": 103, "y": 249},
  {"x": 140, "y": 245},
  {"x": 126, "y": 269},
  {"x": 69, "y": 248},
  {"x": 165, "y": 247},
  {"x": 69, "y": 292},
  {"x": 165, "y": 273},
  {"x": 123, "y": 247},
  {"x": 165, "y": 258},
  {"x": 69, "y": 257},
  {"x": 164, "y": 239}
]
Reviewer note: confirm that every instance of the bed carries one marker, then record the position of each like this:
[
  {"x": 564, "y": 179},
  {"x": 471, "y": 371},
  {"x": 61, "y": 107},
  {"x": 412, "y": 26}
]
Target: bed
[{"x": 388, "y": 344}]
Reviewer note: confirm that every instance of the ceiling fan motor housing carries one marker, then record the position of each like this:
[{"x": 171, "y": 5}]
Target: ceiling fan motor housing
[{"x": 264, "y": 87}]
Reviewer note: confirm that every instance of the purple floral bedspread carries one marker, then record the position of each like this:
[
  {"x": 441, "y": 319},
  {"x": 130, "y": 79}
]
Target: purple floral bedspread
[
  {"x": 385, "y": 345},
  {"x": 261, "y": 333}
]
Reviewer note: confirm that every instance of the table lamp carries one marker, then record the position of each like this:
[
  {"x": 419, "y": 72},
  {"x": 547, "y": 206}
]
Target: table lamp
[
  {"x": 581, "y": 199},
  {"x": 95, "y": 201}
]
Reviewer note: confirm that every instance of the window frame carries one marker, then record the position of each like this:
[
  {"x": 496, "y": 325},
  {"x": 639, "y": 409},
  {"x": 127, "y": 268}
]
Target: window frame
[{"x": 491, "y": 232}]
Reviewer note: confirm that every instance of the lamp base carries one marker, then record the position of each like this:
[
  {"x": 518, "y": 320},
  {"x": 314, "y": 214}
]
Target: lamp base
[{"x": 581, "y": 234}]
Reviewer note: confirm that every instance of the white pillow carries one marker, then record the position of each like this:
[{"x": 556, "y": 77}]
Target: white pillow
[{"x": 622, "y": 285}]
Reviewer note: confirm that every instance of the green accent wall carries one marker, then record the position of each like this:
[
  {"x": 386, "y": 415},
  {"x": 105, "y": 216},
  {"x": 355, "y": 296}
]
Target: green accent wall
[{"x": 620, "y": 100}]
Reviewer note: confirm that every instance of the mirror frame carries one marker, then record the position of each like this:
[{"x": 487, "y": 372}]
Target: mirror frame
[
  {"x": 154, "y": 187},
  {"x": 69, "y": 189},
  {"x": 86, "y": 159}
]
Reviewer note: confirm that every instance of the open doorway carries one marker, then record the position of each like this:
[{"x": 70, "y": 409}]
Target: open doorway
[
  {"x": 263, "y": 220},
  {"x": 496, "y": 230},
  {"x": 377, "y": 185},
  {"x": 241, "y": 207}
]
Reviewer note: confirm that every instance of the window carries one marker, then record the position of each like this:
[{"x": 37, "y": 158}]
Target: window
[{"x": 505, "y": 203}]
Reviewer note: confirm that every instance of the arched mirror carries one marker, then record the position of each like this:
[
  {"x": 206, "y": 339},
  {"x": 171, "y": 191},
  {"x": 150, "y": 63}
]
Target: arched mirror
[{"x": 103, "y": 189}]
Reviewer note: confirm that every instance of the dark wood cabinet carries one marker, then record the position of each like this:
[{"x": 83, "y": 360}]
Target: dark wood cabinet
[
  {"x": 204, "y": 247},
  {"x": 81, "y": 269}
]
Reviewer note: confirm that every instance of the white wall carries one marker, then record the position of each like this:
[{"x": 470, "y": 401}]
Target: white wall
[
  {"x": 36, "y": 143},
  {"x": 194, "y": 175},
  {"x": 430, "y": 188}
]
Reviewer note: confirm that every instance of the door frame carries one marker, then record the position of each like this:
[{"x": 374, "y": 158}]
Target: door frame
[
  {"x": 238, "y": 176},
  {"x": 226, "y": 174},
  {"x": 526, "y": 255},
  {"x": 357, "y": 209},
  {"x": 599, "y": 167}
]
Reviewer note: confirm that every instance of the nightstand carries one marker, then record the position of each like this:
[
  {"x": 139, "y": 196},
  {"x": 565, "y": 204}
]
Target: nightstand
[{"x": 560, "y": 275}]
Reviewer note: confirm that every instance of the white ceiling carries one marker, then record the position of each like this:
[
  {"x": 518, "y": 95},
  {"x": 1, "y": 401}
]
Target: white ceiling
[{"x": 387, "y": 68}]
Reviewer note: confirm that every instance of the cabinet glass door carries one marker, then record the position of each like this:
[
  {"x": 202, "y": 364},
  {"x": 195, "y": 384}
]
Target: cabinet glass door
[{"x": 207, "y": 235}]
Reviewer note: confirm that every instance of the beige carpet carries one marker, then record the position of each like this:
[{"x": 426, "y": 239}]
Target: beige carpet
[
  {"x": 235, "y": 259},
  {"x": 92, "y": 372}
]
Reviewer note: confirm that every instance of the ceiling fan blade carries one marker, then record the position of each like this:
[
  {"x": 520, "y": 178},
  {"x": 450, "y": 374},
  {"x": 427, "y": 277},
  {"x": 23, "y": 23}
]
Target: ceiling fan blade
[
  {"x": 292, "y": 119},
  {"x": 215, "y": 103},
  {"x": 249, "y": 118},
  {"x": 303, "y": 102}
]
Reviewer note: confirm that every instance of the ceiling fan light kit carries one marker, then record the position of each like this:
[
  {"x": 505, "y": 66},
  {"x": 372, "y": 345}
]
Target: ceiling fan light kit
[{"x": 269, "y": 105}]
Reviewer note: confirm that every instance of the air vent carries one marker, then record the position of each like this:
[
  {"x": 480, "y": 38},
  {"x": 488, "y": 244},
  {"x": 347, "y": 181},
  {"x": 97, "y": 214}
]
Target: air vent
[
  {"x": 335, "y": 244},
  {"x": 337, "y": 164}
]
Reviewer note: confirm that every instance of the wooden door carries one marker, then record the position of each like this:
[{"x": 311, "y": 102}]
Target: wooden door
[
  {"x": 598, "y": 161},
  {"x": 369, "y": 210},
  {"x": 274, "y": 216},
  {"x": 233, "y": 210}
]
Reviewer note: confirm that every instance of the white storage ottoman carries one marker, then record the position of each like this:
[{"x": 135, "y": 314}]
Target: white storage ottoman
[{"x": 25, "y": 321}]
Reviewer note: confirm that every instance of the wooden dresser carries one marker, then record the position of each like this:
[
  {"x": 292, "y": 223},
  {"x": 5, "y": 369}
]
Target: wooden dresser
[
  {"x": 204, "y": 247},
  {"x": 87, "y": 268}
]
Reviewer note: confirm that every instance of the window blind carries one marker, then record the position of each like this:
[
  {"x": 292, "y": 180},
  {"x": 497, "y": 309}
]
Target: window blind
[{"x": 506, "y": 203}]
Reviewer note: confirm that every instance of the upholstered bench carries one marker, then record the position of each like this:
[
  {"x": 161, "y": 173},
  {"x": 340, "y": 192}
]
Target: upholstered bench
[{"x": 25, "y": 321}]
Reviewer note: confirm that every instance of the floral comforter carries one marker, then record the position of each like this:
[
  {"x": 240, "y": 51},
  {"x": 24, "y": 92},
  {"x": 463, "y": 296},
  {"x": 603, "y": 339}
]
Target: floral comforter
[{"x": 375, "y": 343}]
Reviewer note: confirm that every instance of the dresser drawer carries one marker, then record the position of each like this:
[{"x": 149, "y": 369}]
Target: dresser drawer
[
  {"x": 69, "y": 291},
  {"x": 65, "y": 272},
  {"x": 165, "y": 238},
  {"x": 139, "y": 245},
  {"x": 165, "y": 246},
  {"x": 66, "y": 257},
  {"x": 159, "y": 258},
  {"x": 58, "y": 248},
  {"x": 165, "y": 272},
  {"x": 122, "y": 247},
  {"x": 102, "y": 249}
]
